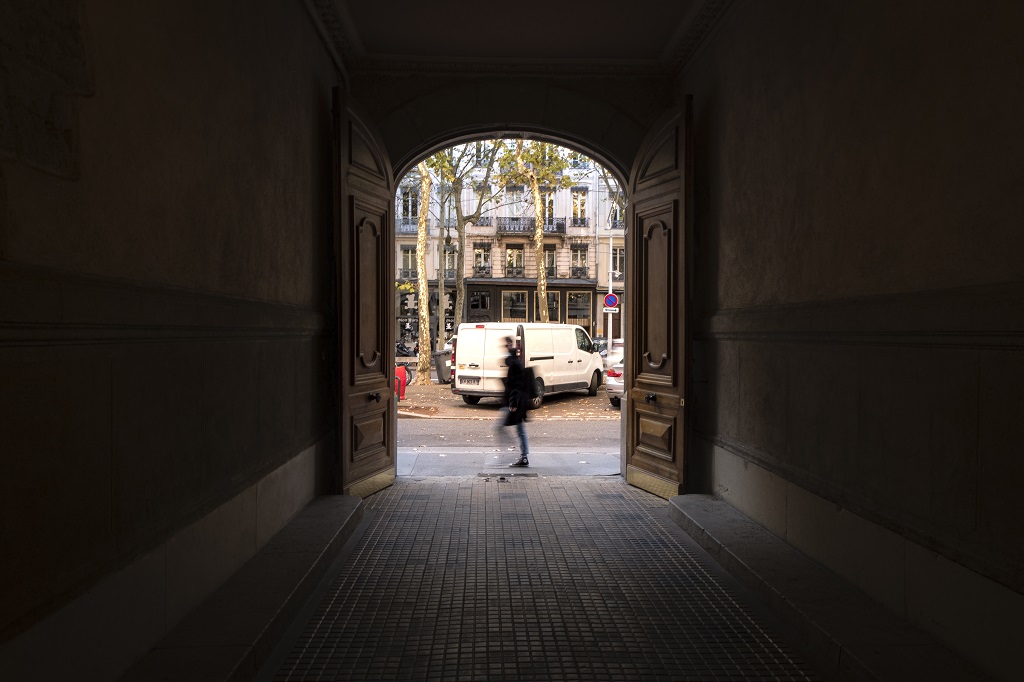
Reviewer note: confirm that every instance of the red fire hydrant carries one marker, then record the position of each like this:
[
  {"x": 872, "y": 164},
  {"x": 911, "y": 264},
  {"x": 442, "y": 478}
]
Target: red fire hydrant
[{"x": 401, "y": 379}]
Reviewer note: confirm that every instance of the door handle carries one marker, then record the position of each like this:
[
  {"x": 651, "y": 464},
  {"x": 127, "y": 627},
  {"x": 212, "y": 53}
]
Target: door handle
[
  {"x": 651, "y": 398},
  {"x": 374, "y": 396}
]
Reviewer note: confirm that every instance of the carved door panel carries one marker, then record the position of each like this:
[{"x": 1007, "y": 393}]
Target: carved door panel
[
  {"x": 657, "y": 291},
  {"x": 364, "y": 244}
]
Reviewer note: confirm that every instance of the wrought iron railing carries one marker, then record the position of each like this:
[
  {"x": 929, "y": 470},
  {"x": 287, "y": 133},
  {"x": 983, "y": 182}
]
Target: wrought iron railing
[
  {"x": 484, "y": 222},
  {"x": 407, "y": 273},
  {"x": 618, "y": 224},
  {"x": 580, "y": 222},
  {"x": 449, "y": 274},
  {"x": 406, "y": 225},
  {"x": 524, "y": 225},
  {"x": 482, "y": 271},
  {"x": 579, "y": 272},
  {"x": 515, "y": 272}
]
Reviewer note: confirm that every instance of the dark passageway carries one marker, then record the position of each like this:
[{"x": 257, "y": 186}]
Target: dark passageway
[{"x": 536, "y": 578}]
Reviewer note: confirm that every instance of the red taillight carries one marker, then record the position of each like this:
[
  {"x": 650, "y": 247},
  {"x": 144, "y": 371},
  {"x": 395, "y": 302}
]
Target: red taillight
[
  {"x": 613, "y": 373},
  {"x": 455, "y": 343}
]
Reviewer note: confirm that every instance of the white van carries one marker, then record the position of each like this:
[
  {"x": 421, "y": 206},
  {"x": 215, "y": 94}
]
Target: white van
[{"x": 562, "y": 356}]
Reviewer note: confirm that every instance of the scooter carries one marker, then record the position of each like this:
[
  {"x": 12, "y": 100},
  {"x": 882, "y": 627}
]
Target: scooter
[{"x": 404, "y": 351}]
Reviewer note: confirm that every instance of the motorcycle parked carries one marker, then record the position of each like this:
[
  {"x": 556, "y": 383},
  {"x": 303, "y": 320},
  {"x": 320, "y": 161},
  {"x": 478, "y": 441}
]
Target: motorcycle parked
[{"x": 404, "y": 351}]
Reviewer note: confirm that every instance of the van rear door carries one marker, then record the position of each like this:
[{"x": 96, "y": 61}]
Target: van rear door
[{"x": 469, "y": 359}]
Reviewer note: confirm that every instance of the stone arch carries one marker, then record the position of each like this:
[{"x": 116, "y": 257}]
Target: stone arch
[{"x": 596, "y": 125}]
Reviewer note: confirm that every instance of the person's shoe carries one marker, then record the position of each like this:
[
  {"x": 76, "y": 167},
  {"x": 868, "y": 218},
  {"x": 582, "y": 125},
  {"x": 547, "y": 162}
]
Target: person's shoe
[{"x": 521, "y": 462}]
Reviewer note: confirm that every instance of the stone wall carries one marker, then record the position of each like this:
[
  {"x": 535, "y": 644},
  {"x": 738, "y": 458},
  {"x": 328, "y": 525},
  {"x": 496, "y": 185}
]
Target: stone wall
[
  {"x": 859, "y": 283},
  {"x": 165, "y": 284}
]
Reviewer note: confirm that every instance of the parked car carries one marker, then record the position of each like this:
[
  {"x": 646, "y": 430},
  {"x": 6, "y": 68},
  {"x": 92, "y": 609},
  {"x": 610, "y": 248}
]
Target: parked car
[
  {"x": 614, "y": 383},
  {"x": 561, "y": 356},
  {"x": 615, "y": 352}
]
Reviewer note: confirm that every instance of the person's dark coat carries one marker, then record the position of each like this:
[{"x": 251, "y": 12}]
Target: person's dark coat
[{"x": 517, "y": 394}]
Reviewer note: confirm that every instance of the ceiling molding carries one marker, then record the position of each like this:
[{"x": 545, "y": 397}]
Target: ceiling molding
[{"x": 693, "y": 31}]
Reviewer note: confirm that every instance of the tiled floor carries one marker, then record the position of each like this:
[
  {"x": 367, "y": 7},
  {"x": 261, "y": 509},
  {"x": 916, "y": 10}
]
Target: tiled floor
[{"x": 530, "y": 578}]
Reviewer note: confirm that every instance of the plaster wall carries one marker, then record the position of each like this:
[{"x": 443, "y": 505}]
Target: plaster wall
[
  {"x": 165, "y": 306},
  {"x": 859, "y": 293}
]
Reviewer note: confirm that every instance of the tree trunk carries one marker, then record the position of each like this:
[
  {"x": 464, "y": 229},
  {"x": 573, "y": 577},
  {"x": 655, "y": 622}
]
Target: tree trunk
[
  {"x": 422, "y": 291},
  {"x": 538, "y": 246},
  {"x": 538, "y": 234}
]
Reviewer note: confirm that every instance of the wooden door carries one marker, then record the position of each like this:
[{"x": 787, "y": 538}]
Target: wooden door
[
  {"x": 657, "y": 291},
  {"x": 364, "y": 244}
]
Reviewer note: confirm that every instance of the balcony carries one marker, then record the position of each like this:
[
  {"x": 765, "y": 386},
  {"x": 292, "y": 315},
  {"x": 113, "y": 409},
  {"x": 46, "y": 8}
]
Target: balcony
[
  {"x": 525, "y": 226},
  {"x": 482, "y": 271},
  {"x": 408, "y": 273},
  {"x": 449, "y": 274},
  {"x": 579, "y": 272},
  {"x": 484, "y": 222},
  {"x": 406, "y": 225},
  {"x": 618, "y": 224},
  {"x": 580, "y": 222},
  {"x": 515, "y": 272}
]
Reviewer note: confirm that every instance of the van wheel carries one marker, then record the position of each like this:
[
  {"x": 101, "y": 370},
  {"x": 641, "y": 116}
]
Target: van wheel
[
  {"x": 471, "y": 399},
  {"x": 536, "y": 402},
  {"x": 595, "y": 381}
]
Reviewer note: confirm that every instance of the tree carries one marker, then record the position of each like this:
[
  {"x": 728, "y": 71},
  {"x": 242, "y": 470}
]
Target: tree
[
  {"x": 422, "y": 292},
  {"x": 456, "y": 167},
  {"x": 533, "y": 163}
]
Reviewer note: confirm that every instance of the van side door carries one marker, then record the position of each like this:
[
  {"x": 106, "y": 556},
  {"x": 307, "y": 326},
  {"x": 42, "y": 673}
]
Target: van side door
[{"x": 564, "y": 345}]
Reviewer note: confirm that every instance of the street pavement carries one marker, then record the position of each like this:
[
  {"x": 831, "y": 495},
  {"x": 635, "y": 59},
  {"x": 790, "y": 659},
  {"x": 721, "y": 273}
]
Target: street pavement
[{"x": 436, "y": 401}]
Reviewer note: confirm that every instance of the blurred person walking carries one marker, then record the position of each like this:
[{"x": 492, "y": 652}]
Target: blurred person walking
[{"x": 517, "y": 399}]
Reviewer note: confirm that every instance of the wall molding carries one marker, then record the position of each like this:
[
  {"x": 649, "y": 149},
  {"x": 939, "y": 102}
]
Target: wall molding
[
  {"x": 955, "y": 318},
  {"x": 42, "y": 307},
  {"x": 961, "y": 552}
]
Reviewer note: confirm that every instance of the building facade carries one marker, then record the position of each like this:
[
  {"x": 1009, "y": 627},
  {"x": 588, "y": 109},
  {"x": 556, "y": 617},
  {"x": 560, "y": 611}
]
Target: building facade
[{"x": 584, "y": 256}]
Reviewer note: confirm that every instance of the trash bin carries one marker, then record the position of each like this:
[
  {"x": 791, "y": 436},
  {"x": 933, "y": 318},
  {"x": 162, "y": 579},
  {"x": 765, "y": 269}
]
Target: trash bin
[
  {"x": 443, "y": 366},
  {"x": 401, "y": 381}
]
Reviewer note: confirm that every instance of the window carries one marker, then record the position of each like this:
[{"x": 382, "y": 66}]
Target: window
[
  {"x": 554, "y": 307},
  {"x": 577, "y": 160},
  {"x": 479, "y": 300},
  {"x": 482, "y": 153},
  {"x": 579, "y": 207},
  {"x": 582, "y": 342},
  {"x": 449, "y": 261},
  {"x": 482, "y": 260},
  {"x": 513, "y": 306},
  {"x": 547, "y": 200},
  {"x": 579, "y": 305},
  {"x": 618, "y": 263},
  {"x": 617, "y": 213},
  {"x": 549, "y": 259},
  {"x": 514, "y": 259},
  {"x": 578, "y": 261},
  {"x": 515, "y": 202},
  {"x": 408, "y": 269},
  {"x": 410, "y": 200}
]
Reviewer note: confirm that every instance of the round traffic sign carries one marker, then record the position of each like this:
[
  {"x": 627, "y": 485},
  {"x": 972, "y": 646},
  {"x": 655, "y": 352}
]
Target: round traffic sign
[{"x": 611, "y": 300}]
